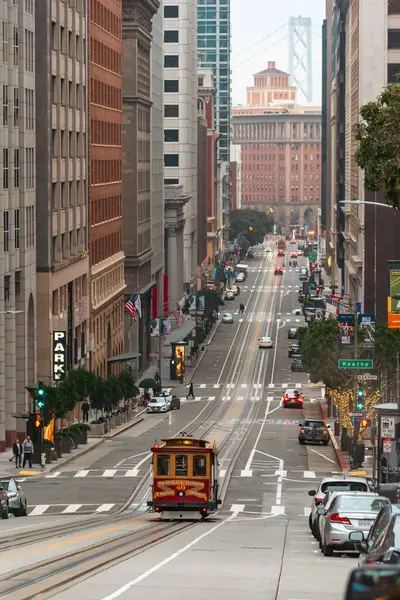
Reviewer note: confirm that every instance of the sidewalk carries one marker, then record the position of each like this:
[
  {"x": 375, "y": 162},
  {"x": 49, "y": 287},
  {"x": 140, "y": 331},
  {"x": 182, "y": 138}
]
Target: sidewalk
[
  {"x": 190, "y": 369},
  {"x": 9, "y": 468},
  {"x": 343, "y": 458}
]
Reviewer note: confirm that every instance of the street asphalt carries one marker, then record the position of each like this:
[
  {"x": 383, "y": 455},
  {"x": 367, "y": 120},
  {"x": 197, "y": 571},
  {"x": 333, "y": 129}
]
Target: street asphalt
[{"x": 259, "y": 544}]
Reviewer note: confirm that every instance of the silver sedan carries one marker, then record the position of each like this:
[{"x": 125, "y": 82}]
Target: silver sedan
[
  {"x": 227, "y": 318},
  {"x": 346, "y": 513},
  {"x": 17, "y": 503}
]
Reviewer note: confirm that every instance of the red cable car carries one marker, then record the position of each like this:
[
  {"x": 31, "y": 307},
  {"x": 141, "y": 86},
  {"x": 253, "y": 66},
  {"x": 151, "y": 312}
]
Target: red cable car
[{"x": 185, "y": 478}]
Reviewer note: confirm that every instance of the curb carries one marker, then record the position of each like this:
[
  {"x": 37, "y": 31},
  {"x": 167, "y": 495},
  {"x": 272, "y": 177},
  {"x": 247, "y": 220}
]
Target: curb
[
  {"x": 108, "y": 436},
  {"x": 339, "y": 456},
  {"x": 71, "y": 457}
]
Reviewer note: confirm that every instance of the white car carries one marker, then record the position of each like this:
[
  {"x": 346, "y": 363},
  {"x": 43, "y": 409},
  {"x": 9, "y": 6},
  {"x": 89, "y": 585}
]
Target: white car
[
  {"x": 163, "y": 394},
  {"x": 265, "y": 342},
  {"x": 158, "y": 405},
  {"x": 239, "y": 277},
  {"x": 299, "y": 252},
  {"x": 227, "y": 318},
  {"x": 297, "y": 312}
]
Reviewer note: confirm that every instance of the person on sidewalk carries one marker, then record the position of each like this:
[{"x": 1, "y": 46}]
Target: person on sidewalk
[
  {"x": 85, "y": 411},
  {"x": 27, "y": 448},
  {"x": 191, "y": 392},
  {"x": 17, "y": 453}
]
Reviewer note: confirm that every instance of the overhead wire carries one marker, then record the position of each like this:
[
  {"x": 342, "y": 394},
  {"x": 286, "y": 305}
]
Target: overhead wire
[
  {"x": 253, "y": 56},
  {"x": 259, "y": 42}
]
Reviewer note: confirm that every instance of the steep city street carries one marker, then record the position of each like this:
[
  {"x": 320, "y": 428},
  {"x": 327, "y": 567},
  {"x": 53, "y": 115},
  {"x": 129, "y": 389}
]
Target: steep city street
[{"x": 259, "y": 543}]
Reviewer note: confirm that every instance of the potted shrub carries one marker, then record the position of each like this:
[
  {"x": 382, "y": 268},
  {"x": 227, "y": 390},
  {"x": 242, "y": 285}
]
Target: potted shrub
[
  {"x": 57, "y": 444},
  {"x": 98, "y": 427},
  {"x": 84, "y": 429},
  {"x": 66, "y": 443},
  {"x": 74, "y": 432}
]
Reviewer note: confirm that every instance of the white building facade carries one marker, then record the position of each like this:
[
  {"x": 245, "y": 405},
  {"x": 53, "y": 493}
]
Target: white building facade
[{"x": 180, "y": 119}]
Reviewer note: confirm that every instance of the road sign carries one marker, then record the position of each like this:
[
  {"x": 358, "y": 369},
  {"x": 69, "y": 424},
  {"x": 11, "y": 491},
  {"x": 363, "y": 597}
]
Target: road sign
[
  {"x": 387, "y": 427},
  {"x": 387, "y": 445},
  {"x": 355, "y": 364},
  {"x": 357, "y": 414},
  {"x": 367, "y": 377}
]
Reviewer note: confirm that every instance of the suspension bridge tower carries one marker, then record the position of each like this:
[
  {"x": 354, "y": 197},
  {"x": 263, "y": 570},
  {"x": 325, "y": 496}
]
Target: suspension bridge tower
[{"x": 300, "y": 55}]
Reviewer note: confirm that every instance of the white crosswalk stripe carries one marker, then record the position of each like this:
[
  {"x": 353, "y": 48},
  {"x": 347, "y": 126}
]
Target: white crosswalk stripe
[
  {"x": 90, "y": 473},
  {"x": 41, "y": 509}
]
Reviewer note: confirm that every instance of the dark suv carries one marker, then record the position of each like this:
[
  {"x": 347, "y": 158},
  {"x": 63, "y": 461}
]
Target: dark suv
[
  {"x": 313, "y": 430},
  {"x": 175, "y": 403}
]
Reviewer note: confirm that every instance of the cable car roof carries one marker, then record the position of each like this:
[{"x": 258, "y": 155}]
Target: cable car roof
[{"x": 186, "y": 441}]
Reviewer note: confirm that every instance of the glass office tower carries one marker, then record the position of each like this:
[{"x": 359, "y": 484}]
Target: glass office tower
[{"x": 214, "y": 51}]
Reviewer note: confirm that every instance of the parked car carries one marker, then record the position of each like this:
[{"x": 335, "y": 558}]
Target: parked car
[
  {"x": 278, "y": 271},
  {"x": 292, "y": 398},
  {"x": 373, "y": 583},
  {"x": 250, "y": 254},
  {"x": 387, "y": 546},
  {"x": 296, "y": 364},
  {"x": 229, "y": 296},
  {"x": 382, "y": 519},
  {"x": 240, "y": 277},
  {"x": 175, "y": 403},
  {"x": 293, "y": 333},
  {"x": 227, "y": 318},
  {"x": 334, "y": 484},
  {"x": 294, "y": 350},
  {"x": 355, "y": 511},
  {"x": 314, "y": 430},
  {"x": 164, "y": 394},
  {"x": 17, "y": 502},
  {"x": 297, "y": 312},
  {"x": 4, "y": 512}
]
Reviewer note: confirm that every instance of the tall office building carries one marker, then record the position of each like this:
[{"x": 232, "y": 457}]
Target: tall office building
[
  {"x": 61, "y": 187},
  {"x": 105, "y": 182},
  {"x": 18, "y": 198},
  {"x": 180, "y": 119},
  {"x": 214, "y": 50}
]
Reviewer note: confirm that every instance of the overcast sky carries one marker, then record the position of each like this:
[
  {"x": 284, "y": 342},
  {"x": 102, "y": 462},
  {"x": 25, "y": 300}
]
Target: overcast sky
[{"x": 254, "y": 42}]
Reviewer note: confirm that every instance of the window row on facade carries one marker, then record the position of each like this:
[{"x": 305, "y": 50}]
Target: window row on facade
[
  {"x": 14, "y": 229},
  {"x": 105, "y": 133},
  {"x": 60, "y": 296},
  {"x": 68, "y": 43},
  {"x": 68, "y": 193},
  {"x": 105, "y": 18},
  {"x": 69, "y": 244},
  {"x": 104, "y": 94},
  {"x": 68, "y": 143},
  {"x": 11, "y": 168},
  {"x": 68, "y": 93},
  {"x": 105, "y": 246},
  {"x": 106, "y": 209},
  {"x": 8, "y": 283},
  {"x": 105, "y": 171},
  {"x": 105, "y": 57},
  {"x": 11, "y": 106}
]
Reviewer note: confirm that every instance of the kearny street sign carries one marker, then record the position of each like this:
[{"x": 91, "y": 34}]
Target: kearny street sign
[{"x": 355, "y": 364}]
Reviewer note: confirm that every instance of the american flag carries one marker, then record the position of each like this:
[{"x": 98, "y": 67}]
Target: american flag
[
  {"x": 178, "y": 316},
  {"x": 131, "y": 307}
]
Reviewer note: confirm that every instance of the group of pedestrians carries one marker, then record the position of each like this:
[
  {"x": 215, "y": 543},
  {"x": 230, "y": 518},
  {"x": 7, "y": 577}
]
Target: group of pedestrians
[{"x": 25, "y": 449}]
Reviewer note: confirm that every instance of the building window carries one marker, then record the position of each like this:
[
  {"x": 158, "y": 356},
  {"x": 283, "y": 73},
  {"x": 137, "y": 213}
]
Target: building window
[
  {"x": 16, "y": 167},
  {"x": 171, "y": 36},
  {"x": 5, "y": 104},
  {"x": 29, "y": 50},
  {"x": 171, "y": 86},
  {"x": 5, "y": 168},
  {"x": 200, "y": 81},
  {"x": 171, "y": 181},
  {"x": 6, "y": 231},
  {"x": 30, "y": 168},
  {"x": 17, "y": 283},
  {"x": 393, "y": 7},
  {"x": 171, "y": 110},
  {"x": 7, "y": 282},
  {"x": 171, "y": 12},
  {"x": 16, "y": 227},
  {"x": 16, "y": 107},
  {"x": 171, "y": 135},
  {"x": 171, "y": 61},
  {"x": 393, "y": 39},
  {"x": 171, "y": 160},
  {"x": 4, "y": 32},
  {"x": 30, "y": 226},
  {"x": 16, "y": 53}
]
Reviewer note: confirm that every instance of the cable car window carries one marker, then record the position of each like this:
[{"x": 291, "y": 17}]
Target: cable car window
[
  {"x": 163, "y": 464},
  {"x": 199, "y": 466},
  {"x": 181, "y": 465}
]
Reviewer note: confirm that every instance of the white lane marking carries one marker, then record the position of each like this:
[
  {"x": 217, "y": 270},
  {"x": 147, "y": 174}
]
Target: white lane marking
[
  {"x": 278, "y": 510},
  {"x": 72, "y": 508},
  {"x": 253, "y": 451},
  {"x": 230, "y": 385},
  {"x": 81, "y": 474},
  {"x": 132, "y": 473},
  {"x": 167, "y": 560},
  {"x": 109, "y": 473},
  {"x": 39, "y": 510},
  {"x": 211, "y": 398},
  {"x": 53, "y": 475},
  {"x": 240, "y": 399},
  {"x": 258, "y": 385},
  {"x": 284, "y": 385},
  {"x": 271, "y": 385},
  {"x": 203, "y": 385},
  {"x": 237, "y": 508},
  {"x": 222, "y": 474},
  {"x": 298, "y": 385},
  {"x": 326, "y": 457},
  {"x": 281, "y": 473},
  {"x": 104, "y": 508},
  {"x": 216, "y": 385},
  {"x": 307, "y": 511},
  {"x": 309, "y": 475},
  {"x": 243, "y": 385}
]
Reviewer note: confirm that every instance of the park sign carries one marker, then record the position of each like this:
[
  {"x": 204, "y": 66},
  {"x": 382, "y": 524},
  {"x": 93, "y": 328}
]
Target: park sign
[{"x": 355, "y": 364}]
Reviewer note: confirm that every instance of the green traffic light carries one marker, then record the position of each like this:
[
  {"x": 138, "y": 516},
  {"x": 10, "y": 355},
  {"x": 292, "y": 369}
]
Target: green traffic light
[
  {"x": 360, "y": 393},
  {"x": 40, "y": 392},
  {"x": 360, "y": 405},
  {"x": 40, "y": 404}
]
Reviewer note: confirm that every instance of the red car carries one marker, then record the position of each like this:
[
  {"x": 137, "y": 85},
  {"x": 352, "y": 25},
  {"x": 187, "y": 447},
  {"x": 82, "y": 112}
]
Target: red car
[
  {"x": 278, "y": 271},
  {"x": 281, "y": 253},
  {"x": 292, "y": 397},
  {"x": 293, "y": 255}
]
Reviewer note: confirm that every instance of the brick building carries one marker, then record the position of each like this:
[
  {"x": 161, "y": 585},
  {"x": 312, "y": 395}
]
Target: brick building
[
  {"x": 105, "y": 181},
  {"x": 280, "y": 145}
]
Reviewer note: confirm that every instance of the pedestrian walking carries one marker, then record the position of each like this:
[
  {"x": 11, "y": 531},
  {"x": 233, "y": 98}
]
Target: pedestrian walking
[
  {"x": 85, "y": 411},
  {"x": 17, "y": 453},
  {"x": 191, "y": 392},
  {"x": 241, "y": 309},
  {"x": 238, "y": 289},
  {"x": 27, "y": 449}
]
